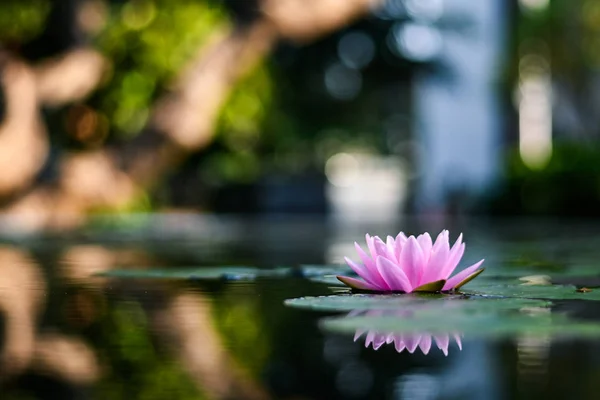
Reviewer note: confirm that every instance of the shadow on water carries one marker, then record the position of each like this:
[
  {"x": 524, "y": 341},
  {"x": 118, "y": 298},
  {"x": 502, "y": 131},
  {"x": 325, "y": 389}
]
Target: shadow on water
[{"x": 68, "y": 333}]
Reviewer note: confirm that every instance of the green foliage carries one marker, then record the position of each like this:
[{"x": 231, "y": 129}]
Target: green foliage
[
  {"x": 568, "y": 185},
  {"x": 268, "y": 126},
  {"x": 22, "y": 20},
  {"x": 128, "y": 350},
  {"x": 238, "y": 318},
  {"x": 501, "y": 307},
  {"x": 149, "y": 41},
  {"x": 233, "y": 273},
  {"x": 240, "y": 129}
]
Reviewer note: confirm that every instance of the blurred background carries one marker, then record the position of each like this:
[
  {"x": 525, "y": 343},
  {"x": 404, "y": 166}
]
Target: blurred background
[
  {"x": 195, "y": 124},
  {"x": 354, "y": 109}
]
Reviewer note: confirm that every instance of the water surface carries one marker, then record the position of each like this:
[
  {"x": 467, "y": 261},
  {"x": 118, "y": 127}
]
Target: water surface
[{"x": 67, "y": 333}]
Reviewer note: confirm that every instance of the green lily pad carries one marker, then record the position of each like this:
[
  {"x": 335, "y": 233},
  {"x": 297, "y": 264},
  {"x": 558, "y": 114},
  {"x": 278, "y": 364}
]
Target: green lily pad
[
  {"x": 353, "y": 283},
  {"x": 482, "y": 324},
  {"x": 513, "y": 285},
  {"x": 516, "y": 288},
  {"x": 201, "y": 273},
  {"x": 352, "y": 302},
  {"x": 432, "y": 287},
  {"x": 330, "y": 280},
  {"x": 440, "y": 313},
  {"x": 468, "y": 279},
  {"x": 318, "y": 271},
  {"x": 312, "y": 272}
]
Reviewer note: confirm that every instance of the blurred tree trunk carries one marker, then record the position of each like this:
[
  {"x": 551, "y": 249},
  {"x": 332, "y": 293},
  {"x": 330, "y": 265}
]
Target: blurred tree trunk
[{"x": 182, "y": 121}]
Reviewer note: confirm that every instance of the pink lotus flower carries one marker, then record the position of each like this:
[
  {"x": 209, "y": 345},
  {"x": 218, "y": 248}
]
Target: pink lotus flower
[
  {"x": 410, "y": 265},
  {"x": 409, "y": 341}
]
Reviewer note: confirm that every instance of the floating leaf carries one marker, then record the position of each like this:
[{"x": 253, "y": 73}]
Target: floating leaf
[
  {"x": 515, "y": 288},
  {"x": 202, "y": 273},
  {"x": 439, "y": 313},
  {"x": 483, "y": 324},
  {"x": 312, "y": 272},
  {"x": 330, "y": 280},
  {"x": 468, "y": 279},
  {"x": 353, "y": 283},
  {"x": 536, "y": 280},
  {"x": 432, "y": 287},
  {"x": 350, "y": 302},
  {"x": 318, "y": 271},
  {"x": 483, "y": 317}
]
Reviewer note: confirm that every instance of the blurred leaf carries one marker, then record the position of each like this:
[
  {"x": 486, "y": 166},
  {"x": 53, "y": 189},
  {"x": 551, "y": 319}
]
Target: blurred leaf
[
  {"x": 149, "y": 41},
  {"x": 239, "y": 318},
  {"x": 516, "y": 288},
  {"x": 127, "y": 349},
  {"x": 200, "y": 273},
  {"x": 22, "y": 20}
]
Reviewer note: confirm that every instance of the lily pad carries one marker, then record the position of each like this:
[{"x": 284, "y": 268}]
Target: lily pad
[
  {"x": 498, "y": 285},
  {"x": 201, "y": 273},
  {"x": 319, "y": 271},
  {"x": 516, "y": 288},
  {"x": 422, "y": 301},
  {"x": 483, "y": 324},
  {"x": 312, "y": 272},
  {"x": 330, "y": 280},
  {"x": 432, "y": 287},
  {"x": 438, "y": 313}
]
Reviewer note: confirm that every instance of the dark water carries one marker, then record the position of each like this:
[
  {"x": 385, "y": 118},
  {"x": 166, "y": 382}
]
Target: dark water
[{"x": 69, "y": 334}]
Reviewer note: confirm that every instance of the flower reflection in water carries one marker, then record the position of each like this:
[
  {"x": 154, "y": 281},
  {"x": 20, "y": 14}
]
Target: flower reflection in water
[
  {"x": 410, "y": 341},
  {"x": 404, "y": 341}
]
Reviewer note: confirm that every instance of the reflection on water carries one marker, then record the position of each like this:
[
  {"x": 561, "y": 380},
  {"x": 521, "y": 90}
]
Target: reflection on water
[
  {"x": 409, "y": 341},
  {"x": 403, "y": 341},
  {"x": 533, "y": 351},
  {"x": 66, "y": 334},
  {"x": 22, "y": 296}
]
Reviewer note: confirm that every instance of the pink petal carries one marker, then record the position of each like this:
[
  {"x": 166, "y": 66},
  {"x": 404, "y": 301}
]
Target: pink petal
[
  {"x": 442, "y": 240},
  {"x": 400, "y": 242},
  {"x": 357, "y": 283},
  {"x": 378, "y": 341},
  {"x": 393, "y": 275},
  {"x": 376, "y": 247},
  {"x": 425, "y": 344},
  {"x": 359, "y": 333},
  {"x": 426, "y": 244},
  {"x": 412, "y": 261},
  {"x": 401, "y": 238},
  {"x": 391, "y": 248},
  {"x": 399, "y": 344},
  {"x": 439, "y": 257},
  {"x": 458, "y": 341},
  {"x": 360, "y": 270},
  {"x": 370, "y": 266},
  {"x": 454, "y": 257},
  {"x": 367, "y": 261},
  {"x": 388, "y": 338},
  {"x": 371, "y": 245},
  {"x": 381, "y": 248},
  {"x": 461, "y": 276},
  {"x": 411, "y": 341},
  {"x": 442, "y": 342}
]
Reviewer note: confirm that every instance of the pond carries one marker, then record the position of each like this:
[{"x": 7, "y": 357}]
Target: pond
[{"x": 194, "y": 307}]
